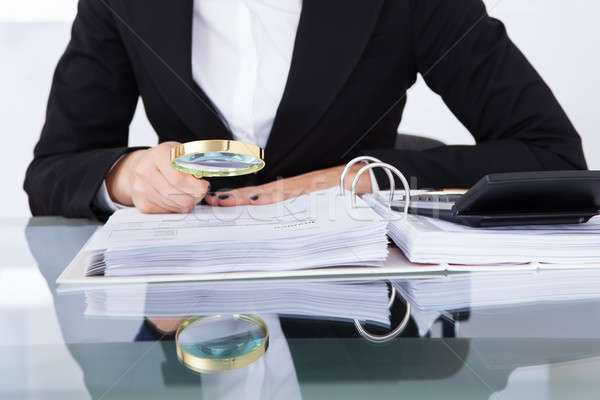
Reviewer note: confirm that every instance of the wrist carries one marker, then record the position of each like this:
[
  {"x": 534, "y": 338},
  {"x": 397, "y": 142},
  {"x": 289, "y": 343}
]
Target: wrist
[{"x": 118, "y": 180}]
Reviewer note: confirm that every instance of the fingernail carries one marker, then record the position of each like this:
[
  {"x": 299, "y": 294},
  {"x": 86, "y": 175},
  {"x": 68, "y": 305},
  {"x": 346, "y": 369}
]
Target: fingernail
[
  {"x": 254, "y": 198},
  {"x": 210, "y": 194},
  {"x": 223, "y": 196}
]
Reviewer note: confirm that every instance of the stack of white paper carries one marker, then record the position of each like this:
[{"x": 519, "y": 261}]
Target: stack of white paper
[
  {"x": 430, "y": 240},
  {"x": 489, "y": 289},
  {"x": 331, "y": 300},
  {"x": 310, "y": 231}
]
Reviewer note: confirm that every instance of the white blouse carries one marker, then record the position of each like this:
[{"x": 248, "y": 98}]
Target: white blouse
[{"x": 241, "y": 57}]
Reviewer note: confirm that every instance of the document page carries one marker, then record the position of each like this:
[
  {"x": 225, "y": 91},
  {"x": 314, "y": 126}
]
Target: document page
[
  {"x": 315, "y": 213},
  {"x": 431, "y": 240},
  {"x": 314, "y": 230}
]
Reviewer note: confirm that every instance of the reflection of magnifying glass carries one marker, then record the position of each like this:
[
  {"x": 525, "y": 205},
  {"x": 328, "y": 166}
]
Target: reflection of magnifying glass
[
  {"x": 208, "y": 158},
  {"x": 221, "y": 342}
]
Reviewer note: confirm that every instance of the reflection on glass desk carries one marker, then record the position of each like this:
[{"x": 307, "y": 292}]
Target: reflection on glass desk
[{"x": 469, "y": 336}]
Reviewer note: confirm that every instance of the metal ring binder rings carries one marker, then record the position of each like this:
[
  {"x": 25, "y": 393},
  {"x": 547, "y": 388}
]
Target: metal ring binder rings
[
  {"x": 366, "y": 159},
  {"x": 392, "y": 334},
  {"x": 389, "y": 169}
]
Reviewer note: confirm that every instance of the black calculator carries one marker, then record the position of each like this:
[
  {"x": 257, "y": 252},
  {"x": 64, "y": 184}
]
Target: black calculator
[{"x": 509, "y": 199}]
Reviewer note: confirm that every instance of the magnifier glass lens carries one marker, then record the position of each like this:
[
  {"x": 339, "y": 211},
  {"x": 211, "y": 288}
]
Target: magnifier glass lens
[
  {"x": 217, "y": 157},
  {"x": 218, "y": 162},
  {"x": 221, "y": 337}
]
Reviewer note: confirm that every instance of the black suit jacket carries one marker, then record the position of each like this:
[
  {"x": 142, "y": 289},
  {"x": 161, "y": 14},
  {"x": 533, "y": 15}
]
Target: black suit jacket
[{"x": 353, "y": 61}]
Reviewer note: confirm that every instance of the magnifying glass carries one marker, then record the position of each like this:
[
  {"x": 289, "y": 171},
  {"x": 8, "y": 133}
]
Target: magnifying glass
[
  {"x": 210, "y": 158},
  {"x": 221, "y": 342}
]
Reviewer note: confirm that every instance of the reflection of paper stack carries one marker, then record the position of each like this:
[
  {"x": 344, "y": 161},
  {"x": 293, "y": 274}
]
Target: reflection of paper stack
[
  {"x": 363, "y": 301},
  {"x": 310, "y": 231},
  {"x": 431, "y": 240},
  {"x": 489, "y": 289}
]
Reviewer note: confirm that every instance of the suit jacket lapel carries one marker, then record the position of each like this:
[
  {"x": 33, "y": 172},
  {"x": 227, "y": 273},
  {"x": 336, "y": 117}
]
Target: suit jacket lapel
[
  {"x": 332, "y": 34},
  {"x": 163, "y": 32}
]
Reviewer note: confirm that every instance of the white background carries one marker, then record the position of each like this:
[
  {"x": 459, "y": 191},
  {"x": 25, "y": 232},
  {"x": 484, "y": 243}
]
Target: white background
[{"x": 561, "y": 38}]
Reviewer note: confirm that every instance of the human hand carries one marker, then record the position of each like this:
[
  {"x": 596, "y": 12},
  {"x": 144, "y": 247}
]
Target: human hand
[
  {"x": 147, "y": 180},
  {"x": 284, "y": 189},
  {"x": 166, "y": 325}
]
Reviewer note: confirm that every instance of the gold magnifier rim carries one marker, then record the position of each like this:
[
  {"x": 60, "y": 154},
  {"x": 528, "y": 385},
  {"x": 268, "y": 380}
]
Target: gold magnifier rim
[
  {"x": 218, "y": 146},
  {"x": 211, "y": 365}
]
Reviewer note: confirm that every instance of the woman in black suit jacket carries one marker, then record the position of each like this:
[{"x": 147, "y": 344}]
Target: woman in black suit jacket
[{"x": 353, "y": 61}]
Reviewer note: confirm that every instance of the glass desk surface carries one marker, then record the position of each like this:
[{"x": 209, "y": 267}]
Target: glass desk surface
[{"x": 51, "y": 348}]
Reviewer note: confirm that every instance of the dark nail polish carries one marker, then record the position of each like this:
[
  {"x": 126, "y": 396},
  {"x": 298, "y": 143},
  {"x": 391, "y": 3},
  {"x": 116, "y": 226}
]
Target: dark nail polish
[
  {"x": 223, "y": 196},
  {"x": 254, "y": 198}
]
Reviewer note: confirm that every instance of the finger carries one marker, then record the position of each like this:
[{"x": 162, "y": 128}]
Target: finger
[
  {"x": 170, "y": 195},
  {"x": 275, "y": 192},
  {"x": 237, "y": 197},
  {"x": 168, "y": 202},
  {"x": 147, "y": 206},
  {"x": 258, "y": 195},
  {"x": 144, "y": 192},
  {"x": 264, "y": 198},
  {"x": 211, "y": 198},
  {"x": 270, "y": 197},
  {"x": 185, "y": 183}
]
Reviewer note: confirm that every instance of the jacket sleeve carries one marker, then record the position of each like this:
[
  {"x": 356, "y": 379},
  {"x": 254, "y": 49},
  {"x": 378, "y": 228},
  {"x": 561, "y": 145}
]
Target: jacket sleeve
[
  {"x": 467, "y": 58},
  {"x": 92, "y": 101}
]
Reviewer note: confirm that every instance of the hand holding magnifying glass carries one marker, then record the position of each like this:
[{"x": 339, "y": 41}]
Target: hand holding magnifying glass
[
  {"x": 168, "y": 178},
  {"x": 147, "y": 180}
]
